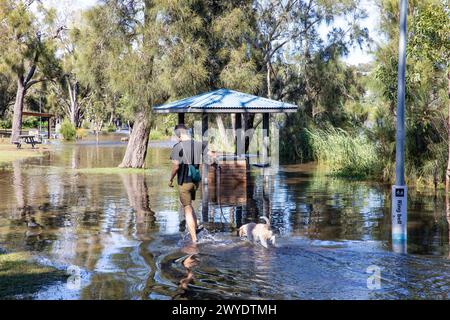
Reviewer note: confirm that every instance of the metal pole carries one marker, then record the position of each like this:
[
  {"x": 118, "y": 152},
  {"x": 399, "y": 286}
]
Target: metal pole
[
  {"x": 205, "y": 147},
  {"x": 266, "y": 143},
  {"x": 238, "y": 127},
  {"x": 399, "y": 191},
  {"x": 400, "y": 145}
]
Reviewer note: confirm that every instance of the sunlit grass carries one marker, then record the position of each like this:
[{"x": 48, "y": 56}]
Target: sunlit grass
[
  {"x": 9, "y": 152},
  {"x": 20, "y": 276},
  {"x": 116, "y": 170}
]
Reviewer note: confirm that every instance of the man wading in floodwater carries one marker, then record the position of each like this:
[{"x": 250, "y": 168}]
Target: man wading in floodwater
[{"x": 186, "y": 158}]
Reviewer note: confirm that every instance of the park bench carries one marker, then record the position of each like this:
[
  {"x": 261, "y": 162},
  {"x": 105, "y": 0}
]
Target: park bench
[{"x": 28, "y": 139}]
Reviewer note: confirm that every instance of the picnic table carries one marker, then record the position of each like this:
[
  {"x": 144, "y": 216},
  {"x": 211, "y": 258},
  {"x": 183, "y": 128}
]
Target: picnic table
[{"x": 28, "y": 139}]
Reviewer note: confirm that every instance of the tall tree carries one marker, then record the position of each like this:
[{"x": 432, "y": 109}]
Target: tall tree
[
  {"x": 427, "y": 134},
  {"x": 27, "y": 50},
  {"x": 120, "y": 55},
  {"x": 286, "y": 26},
  {"x": 430, "y": 41}
]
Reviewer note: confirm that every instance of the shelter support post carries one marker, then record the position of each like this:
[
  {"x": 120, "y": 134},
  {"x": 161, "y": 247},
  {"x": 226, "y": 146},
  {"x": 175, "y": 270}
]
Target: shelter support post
[
  {"x": 180, "y": 117},
  {"x": 239, "y": 146},
  {"x": 49, "y": 121},
  {"x": 205, "y": 202},
  {"x": 246, "y": 139},
  {"x": 205, "y": 147},
  {"x": 266, "y": 140}
]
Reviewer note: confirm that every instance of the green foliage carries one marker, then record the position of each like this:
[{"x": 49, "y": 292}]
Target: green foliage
[
  {"x": 111, "y": 128},
  {"x": 81, "y": 133},
  {"x": 25, "y": 42},
  {"x": 96, "y": 113},
  {"x": 428, "y": 53},
  {"x": 156, "y": 135},
  {"x": 123, "y": 57},
  {"x": 348, "y": 155},
  {"x": 6, "y": 94},
  {"x": 68, "y": 130},
  {"x": 30, "y": 122},
  {"x": 85, "y": 125},
  {"x": 5, "y": 124}
]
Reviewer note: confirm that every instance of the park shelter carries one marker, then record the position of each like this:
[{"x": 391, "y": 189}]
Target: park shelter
[
  {"x": 226, "y": 101},
  {"x": 47, "y": 116},
  {"x": 229, "y": 183}
]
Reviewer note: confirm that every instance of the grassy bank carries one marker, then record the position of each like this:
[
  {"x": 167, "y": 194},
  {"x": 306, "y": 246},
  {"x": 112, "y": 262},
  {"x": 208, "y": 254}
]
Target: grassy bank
[
  {"x": 9, "y": 152},
  {"x": 115, "y": 170},
  {"x": 20, "y": 276}
]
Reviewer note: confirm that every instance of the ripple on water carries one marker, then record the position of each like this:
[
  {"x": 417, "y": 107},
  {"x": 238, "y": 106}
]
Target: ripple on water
[{"x": 122, "y": 230}]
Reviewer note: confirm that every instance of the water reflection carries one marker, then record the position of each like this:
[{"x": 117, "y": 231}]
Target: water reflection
[
  {"x": 138, "y": 198},
  {"x": 123, "y": 230}
]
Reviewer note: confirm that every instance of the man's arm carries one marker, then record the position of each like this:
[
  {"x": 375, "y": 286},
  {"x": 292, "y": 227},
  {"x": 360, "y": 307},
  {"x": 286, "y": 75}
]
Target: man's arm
[{"x": 175, "y": 167}]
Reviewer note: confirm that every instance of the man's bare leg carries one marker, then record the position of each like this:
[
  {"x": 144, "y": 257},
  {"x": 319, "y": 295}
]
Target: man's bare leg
[{"x": 191, "y": 222}]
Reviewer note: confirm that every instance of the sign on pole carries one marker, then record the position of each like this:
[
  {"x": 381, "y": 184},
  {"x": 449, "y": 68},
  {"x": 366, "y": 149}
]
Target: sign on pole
[{"x": 399, "y": 190}]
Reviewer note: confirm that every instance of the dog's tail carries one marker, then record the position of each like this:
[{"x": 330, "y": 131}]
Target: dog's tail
[
  {"x": 266, "y": 220},
  {"x": 240, "y": 232}
]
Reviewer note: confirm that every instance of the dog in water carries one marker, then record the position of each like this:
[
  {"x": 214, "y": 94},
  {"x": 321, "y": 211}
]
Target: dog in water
[{"x": 258, "y": 231}]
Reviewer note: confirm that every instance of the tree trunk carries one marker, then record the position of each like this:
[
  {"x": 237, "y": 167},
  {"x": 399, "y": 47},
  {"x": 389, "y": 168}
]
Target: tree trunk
[
  {"x": 137, "y": 145},
  {"x": 137, "y": 191},
  {"x": 74, "y": 112},
  {"x": 447, "y": 176},
  {"x": 269, "y": 84},
  {"x": 18, "y": 108}
]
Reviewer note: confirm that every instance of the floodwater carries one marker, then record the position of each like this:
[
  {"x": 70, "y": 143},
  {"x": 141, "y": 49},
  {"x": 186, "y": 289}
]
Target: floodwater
[{"x": 119, "y": 234}]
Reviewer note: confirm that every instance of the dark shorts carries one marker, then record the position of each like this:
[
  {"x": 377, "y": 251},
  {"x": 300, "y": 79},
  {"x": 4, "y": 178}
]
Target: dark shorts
[{"x": 186, "y": 192}]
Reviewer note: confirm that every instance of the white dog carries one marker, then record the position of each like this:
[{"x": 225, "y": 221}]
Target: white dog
[{"x": 258, "y": 231}]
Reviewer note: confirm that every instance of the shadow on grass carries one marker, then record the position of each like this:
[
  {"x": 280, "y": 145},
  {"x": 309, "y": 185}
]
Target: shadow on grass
[{"x": 20, "y": 277}]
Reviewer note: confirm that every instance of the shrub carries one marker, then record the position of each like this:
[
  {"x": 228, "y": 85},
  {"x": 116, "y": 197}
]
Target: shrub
[
  {"x": 156, "y": 135},
  {"x": 348, "y": 155},
  {"x": 81, "y": 133},
  {"x": 30, "y": 122},
  {"x": 111, "y": 128},
  {"x": 68, "y": 130},
  {"x": 5, "y": 124}
]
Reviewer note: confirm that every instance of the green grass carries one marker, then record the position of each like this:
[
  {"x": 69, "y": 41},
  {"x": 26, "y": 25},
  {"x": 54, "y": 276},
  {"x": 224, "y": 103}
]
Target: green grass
[
  {"x": 349, "y": 156},
  {"x": 9, "y": 152},
  {"x": 20, "y": 276},
  {"x": 115, "y": 170}
]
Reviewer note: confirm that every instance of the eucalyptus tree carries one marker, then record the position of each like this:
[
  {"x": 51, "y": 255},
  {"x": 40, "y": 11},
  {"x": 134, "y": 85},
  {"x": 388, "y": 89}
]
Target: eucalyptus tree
[
  {"x": 27, "y": 49},
  {"x": 148, "y": 52},
  {"x": 72, "y": 96},
  {"x": 120, "y": 57},
  {"x": 289, "y": 32},
  {"x": 209, "y": 45}
]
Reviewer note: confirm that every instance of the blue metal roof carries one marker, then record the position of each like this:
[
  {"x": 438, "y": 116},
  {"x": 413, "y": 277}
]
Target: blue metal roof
[{"x": 225, "y": 101}]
